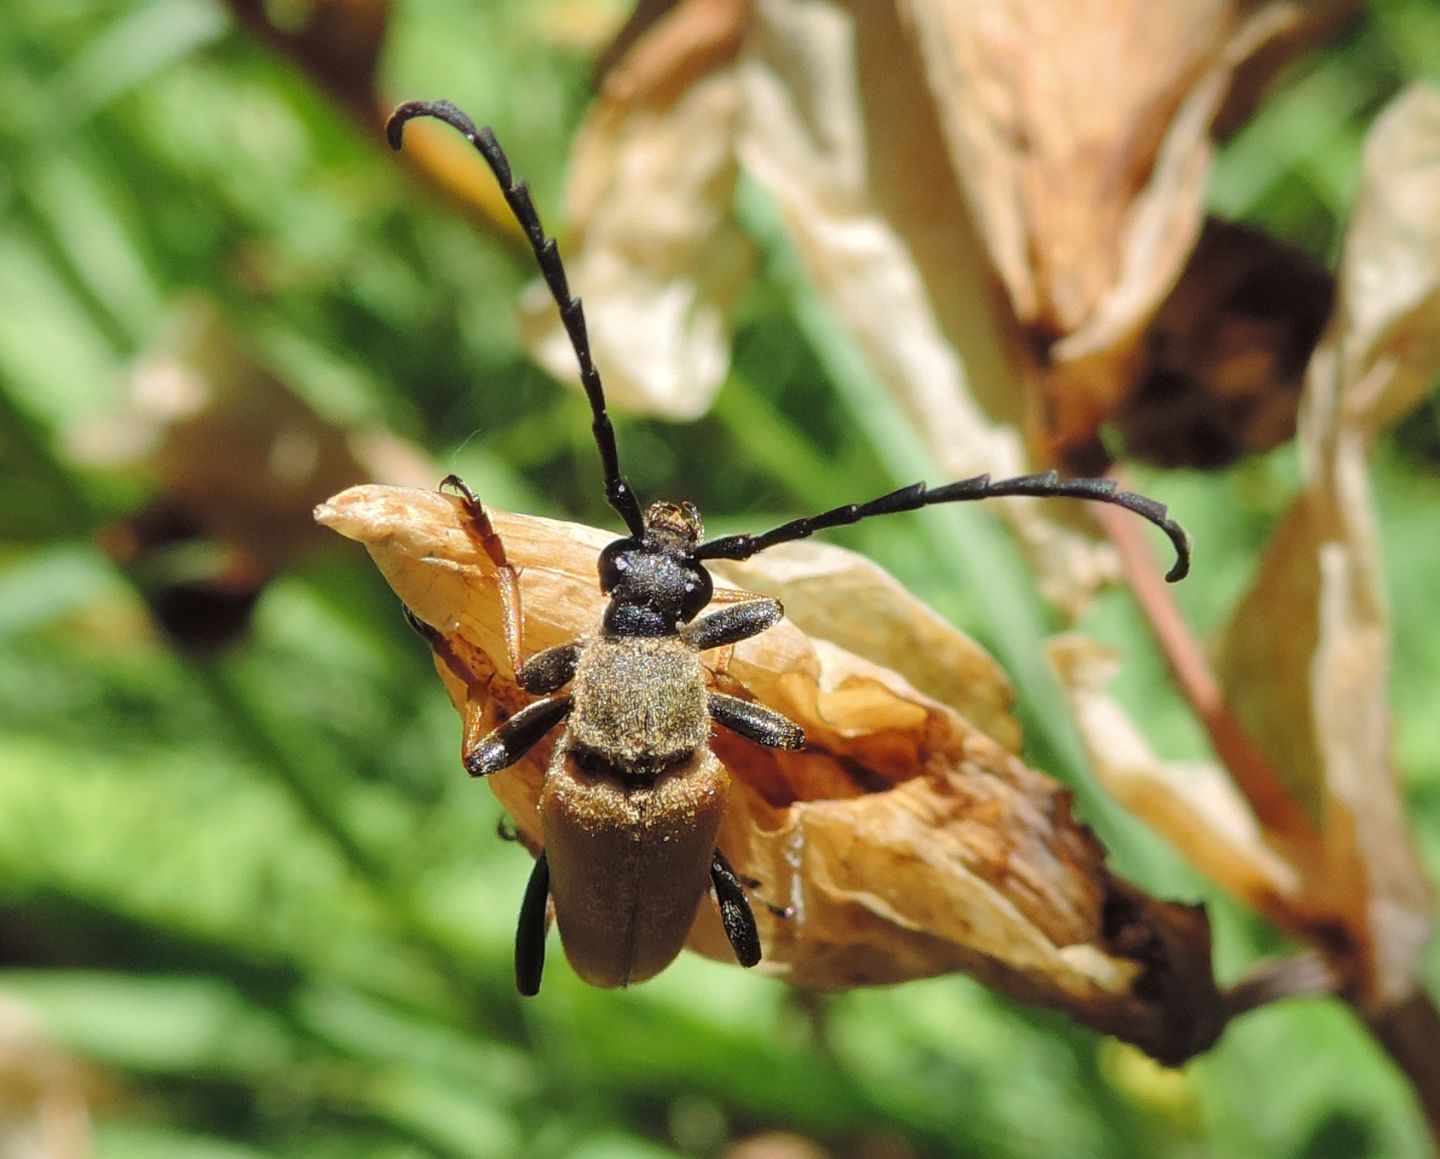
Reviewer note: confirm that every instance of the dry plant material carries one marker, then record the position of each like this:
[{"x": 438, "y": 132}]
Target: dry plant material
[
  {"x": 1304, "y": 662},
  {"x": 907, "y": 841},
  {"x": 1082, "y": 134},
  {"x": 233, "y": 460},
  {"x": 338, "y": 43},
  {"x": 1306, "y": 659},
  {"x": 994, "y": 200},
  {"x": 1225, "y": 356},
  {"x": 661, "y": 262},
  {"x": 1194, "y": 804},
  {"x": 45, "y": 1095}
]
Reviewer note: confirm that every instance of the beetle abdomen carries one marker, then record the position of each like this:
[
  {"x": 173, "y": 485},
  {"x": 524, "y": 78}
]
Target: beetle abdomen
[{"x": 629, "y": 865}]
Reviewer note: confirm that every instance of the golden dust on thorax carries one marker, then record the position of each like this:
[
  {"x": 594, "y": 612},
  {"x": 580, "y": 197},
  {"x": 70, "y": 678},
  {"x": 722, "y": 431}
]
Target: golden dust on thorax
[{"x": 640, "y": 703}]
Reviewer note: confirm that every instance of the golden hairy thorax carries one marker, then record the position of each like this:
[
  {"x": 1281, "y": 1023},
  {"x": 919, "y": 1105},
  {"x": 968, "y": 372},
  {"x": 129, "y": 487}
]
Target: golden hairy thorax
[{"x": 641, "y": 704}]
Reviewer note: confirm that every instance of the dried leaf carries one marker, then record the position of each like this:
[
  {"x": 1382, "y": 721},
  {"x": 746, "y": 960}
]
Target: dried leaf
[
  {"x": 656, "y": 256},
  {"x": 1306, "y": 658},
  {"x": 1389, "y": 328},
  {"x": 1082, "y": 136},
  {"x": 844, "y": 135},
  {"x": 1194, "y": 805},
  {"x": 912, "y": 151},
  {"x": 45, "y": 1094},
  {"x": 907, "y": 842},
  {"x": 844, "y": 598}
]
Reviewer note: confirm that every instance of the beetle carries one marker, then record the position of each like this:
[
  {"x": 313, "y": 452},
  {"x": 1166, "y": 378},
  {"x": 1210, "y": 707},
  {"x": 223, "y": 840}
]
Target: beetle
[{"x": 633, "y": 796}]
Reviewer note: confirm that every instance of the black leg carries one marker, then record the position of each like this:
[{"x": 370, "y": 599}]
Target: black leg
[
  {"x": 756, "y": 722},
  {"x": 732, "y": 624},
  {"x": 516, "y": 737},
  {"x": 530, "y": 934},
  {"x": 549, "y": 670},
  {"x": 735, "y": 912}
]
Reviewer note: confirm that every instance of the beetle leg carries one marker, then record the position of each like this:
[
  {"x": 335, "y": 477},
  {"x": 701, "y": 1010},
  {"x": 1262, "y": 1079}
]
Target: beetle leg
[
  {"x": 534, "y": 925},
  {"x": 472, "y": 714},
  {"x": 547, "y": 671},
  {"x": 756, "y": 722},
  {"x": 751, "y": 884},
  {"x": 735, "y": 913},
  {"x": 512, "y": 740},
  {"x": 731, "y": 624},
  {"x": 480, "y": 746},
  {"x": 484, "y": 535}
]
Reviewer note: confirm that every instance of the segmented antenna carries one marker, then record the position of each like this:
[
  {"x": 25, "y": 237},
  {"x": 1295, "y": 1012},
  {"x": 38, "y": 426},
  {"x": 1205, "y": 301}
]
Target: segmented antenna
[
  {"x": 917, "y": 495},
  {"x": 547, "y": 255},
  {"x": 618, "y": 491}
]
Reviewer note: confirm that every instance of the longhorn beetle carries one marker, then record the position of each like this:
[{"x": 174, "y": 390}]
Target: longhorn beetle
[{"x": 633, "y": 797}]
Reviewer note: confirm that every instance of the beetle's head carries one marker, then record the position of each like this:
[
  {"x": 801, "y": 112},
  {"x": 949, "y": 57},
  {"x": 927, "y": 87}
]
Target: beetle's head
[{"x": 654, "y": 582}]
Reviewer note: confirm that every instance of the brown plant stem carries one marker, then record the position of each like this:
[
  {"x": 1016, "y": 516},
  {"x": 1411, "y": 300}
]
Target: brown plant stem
[
  {"x": 1410, "y": 1033},
  {"x": 1274, "y": 806},
  {"x": 1308, "y": 973}
]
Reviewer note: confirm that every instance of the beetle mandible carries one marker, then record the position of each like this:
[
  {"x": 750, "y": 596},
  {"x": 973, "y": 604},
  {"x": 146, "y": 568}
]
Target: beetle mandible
[{"x": 633, "y": 797}]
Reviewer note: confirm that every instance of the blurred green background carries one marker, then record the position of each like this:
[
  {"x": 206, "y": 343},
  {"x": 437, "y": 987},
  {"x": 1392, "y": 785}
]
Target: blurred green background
[{"x": 256, "y": 892}]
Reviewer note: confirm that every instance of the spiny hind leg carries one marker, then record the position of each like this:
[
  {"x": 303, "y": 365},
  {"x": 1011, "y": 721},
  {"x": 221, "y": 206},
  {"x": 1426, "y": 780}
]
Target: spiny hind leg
[
  {"x": 475, "y": 671},
  {"x": 487, "y": 539}
]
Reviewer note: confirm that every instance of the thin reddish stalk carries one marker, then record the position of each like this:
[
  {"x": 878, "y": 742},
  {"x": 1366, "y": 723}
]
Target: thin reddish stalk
[
  {"x": 1409, "y": 1031},
  {"x": 1410, "y": 1034},
  {"x": 1274, "y": 806}
]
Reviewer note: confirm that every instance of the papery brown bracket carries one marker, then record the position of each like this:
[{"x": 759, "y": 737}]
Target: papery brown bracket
[
  {"x": 656, "y": 254},
  {"x": 1082, "y": 135},
  {"x": 1305, "y": 661},
  {"x": 907, "y": 842},
  {"x": 1319, "y": 843},
  {"x": 992, "y": 201}
]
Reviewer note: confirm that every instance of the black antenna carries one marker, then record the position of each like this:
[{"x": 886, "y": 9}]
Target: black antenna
[
  {"x": 917, "y": 495},
  {"x": 547, "y": 254}
]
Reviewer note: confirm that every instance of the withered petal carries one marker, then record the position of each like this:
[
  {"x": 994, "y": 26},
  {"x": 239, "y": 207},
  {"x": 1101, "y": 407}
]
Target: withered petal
[{"x": 906, "y": 842}]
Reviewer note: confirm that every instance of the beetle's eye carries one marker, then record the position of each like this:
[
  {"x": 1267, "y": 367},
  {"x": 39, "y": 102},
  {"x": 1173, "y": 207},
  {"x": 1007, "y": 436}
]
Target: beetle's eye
[
  {"x": 698, "y": 590},
  {"x": 612, "y": 563}
]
